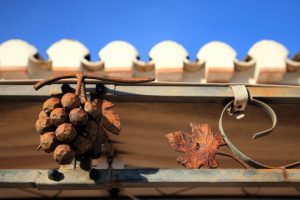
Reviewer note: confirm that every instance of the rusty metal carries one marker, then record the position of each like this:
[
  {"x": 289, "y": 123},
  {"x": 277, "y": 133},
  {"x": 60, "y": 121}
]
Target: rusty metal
[
  {"x": 81, "y": 144},
  {"x": 240, "y": 154},
  {"x": 58, "y": 116},
  {"x": 48, "y": 142},
  {"x": 43, "y": 124},
  {"x": 200, "y": 147},
  {"x": 78, "y": 117},
  {"x": 75, "y": 136},
  {"x": 272, "y": 115},
  {"x": 156, "y": 177},
  {"x": 91, "y": 107},
  {"x": 51, "y": 104},
  {"x": 65, "y": 133},
  {"x": 81, "y": 76},
  {"x": 70, "y": 101},
  {"x": 63, "y": 154}
]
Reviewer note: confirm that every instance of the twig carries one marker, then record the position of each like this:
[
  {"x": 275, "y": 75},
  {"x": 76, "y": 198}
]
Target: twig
[
  {"x": 79, "y": 83},
  {"x": 83, "y": 91},
  {"x": 112, "y": 79},
  {"x": 233, "y": 156},
  {"x": 292, "y": 165}
]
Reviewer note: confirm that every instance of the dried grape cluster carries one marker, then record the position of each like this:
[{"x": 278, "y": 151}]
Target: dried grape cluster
[{"x": 69, "y": 127}]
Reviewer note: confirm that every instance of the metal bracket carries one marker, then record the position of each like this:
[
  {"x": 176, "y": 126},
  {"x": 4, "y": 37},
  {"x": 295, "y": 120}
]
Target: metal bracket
[
  {"x": 241, "y": 98},
  {"x": 237, "y": 106}
]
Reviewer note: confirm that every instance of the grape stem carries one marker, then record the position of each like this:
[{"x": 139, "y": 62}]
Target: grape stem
[
  {"x": 80, "y": 87},
  {"x": 223, "y": 153},
  {"x": 111, "y": 79}
]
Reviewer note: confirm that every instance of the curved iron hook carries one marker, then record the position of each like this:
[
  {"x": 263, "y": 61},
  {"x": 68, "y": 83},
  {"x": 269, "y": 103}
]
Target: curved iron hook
[{"x": 241, "y": 155}]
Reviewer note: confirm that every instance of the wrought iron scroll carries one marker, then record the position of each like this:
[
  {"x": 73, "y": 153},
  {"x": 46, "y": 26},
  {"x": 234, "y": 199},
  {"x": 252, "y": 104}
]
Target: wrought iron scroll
[{"x": 200, "y": 147}]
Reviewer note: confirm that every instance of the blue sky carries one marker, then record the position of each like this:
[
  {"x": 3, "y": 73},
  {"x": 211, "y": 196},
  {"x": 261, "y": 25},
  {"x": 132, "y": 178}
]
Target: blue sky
[{"x": 192, "y": 23}]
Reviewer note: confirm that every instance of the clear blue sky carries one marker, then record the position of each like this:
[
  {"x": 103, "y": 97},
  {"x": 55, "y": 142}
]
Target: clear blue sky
[{"x": 192, "y": 23}]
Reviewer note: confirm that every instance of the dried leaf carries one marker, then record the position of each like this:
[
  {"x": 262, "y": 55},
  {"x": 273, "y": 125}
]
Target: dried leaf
[
  {"x": 106, "y": 105},
  {"x": 101, "y": 137},
  {"x": 111, "y": 121},
  {"x": 198, "y": 148}
]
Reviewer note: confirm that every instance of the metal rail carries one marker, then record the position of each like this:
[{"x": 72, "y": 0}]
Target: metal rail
[
  {"x": 141, "y": 178},
  {"x": 156, "y": 91}
]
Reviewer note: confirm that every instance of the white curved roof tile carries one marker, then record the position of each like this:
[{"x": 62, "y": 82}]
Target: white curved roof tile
[
  {"x": 118, "y": 55},
  {"x": 266, "y": 62},
  {"x": 168, "y": 54},
  {"x": 268, "y": 52},
  {"x": 270, "y": 57},
  {"x": 66, "y": 54},
  {"x": 216, "y": 53},
  {"x": 16, "y": 53},
  {"x": 218, "y": 58}
]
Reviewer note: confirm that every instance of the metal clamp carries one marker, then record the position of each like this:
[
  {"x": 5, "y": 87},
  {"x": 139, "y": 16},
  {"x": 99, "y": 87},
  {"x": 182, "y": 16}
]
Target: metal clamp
[
  {"x": 238, "y": 105},
  {"x": 240, "y": 101}
]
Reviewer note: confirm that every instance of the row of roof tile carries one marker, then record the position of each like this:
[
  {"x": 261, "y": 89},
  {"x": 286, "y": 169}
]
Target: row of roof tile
[{"x": 266, "y": 62}]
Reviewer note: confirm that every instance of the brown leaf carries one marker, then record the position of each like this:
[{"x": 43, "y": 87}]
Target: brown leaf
[
  {"x": 103, "y": 105},
  {"x": 111, "y": 121},
  {"x": 106, "y": 105},
  {"x": 198, "y": 148},
  {"x": 101, "y": 137}
]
